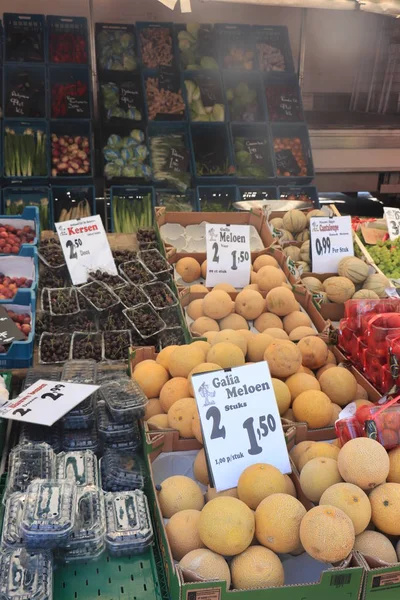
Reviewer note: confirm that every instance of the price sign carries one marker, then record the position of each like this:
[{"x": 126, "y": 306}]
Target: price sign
[
  {"x": 19, "y": 103},
  {"x": 9, "y": 332},
  {"x": 168, "y": 79},
  {"x": 258, "y": 150},
  {"x": 45, "y": 402},
  {"x": 331, "y": 240},
  {"x": 286, "y": 162},
  {"x": 210, "y": 90},
  {"x": 178, "y": 160},
  {"x": 77, "y": 107},
  {"x": 228, "y": 254},
  {"x": 85, "y": 246},
  {"x": 392, "y": 216},
  {"x": 129, "y": 96},
  {"x": 240, "y": 422}
]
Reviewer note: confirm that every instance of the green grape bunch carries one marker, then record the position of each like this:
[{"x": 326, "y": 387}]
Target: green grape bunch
[{"x": 386, "y": 256}]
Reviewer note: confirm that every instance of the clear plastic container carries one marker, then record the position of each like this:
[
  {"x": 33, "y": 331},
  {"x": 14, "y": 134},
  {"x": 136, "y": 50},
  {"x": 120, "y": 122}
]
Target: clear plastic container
[
  {"x": 78, "y": 466},
  {"x": 145, "y": 321},
  {"x": 112, "y": 431},
  {"x": 156, "y": 263},
  {"x": 51, "y": 297},
  {"x": 171, "y": 336},
  {"x": 136, "y": 272},
  {"x": 36, "y": 434},
  {"x": 26, "y": 575},
  {"x": 101, "y": 291},
  {"x": 28, "y": 462},
  {"x": 122, "y": 470},
  {"x": 112, "y": 281},
  {"x": 106, "y": 375},
  {"x": 54, "y": 348},
  {"x": 129, "y": 528},
  {"x": 131, "y": 295},
  {"x": 160, "y": 295},
  {"x": 125, "y": 400},
  {"x": 93, "y": 345},
  {"x": 33, "y": 375},
  {"x": 11, "y": 536},
  {"x": 116, "y": 345},
  {"x": 81, "y": 439},
  {"x": 49, "y": 513},
  {"x": 79, "y": 371}
]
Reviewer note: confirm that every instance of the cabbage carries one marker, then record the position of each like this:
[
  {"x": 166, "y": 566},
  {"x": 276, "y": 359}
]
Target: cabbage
[
  {"x": 126, "y": 39},
  {"x": 129, "y": 171},
  {"x": 114, "y": 141},
  {"x": 137, "y": 134},
  {"x": 146, "y": 171},
  {"x": 208, "y": 63},
  {"x": 110, "y": 155},
  {"x": 129, "y": 63},
  {"x": 112, "y": 170},
  {"x": 119, "y": 162},
  {"x": 133, "y": 114},
  {"x": 141, "y": 152},
  {"x": 115, "y": 112},
  {"x": 127, "y": 154}
]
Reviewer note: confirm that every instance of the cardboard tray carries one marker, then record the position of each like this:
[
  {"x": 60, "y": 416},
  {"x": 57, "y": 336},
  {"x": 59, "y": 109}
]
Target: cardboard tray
[{"x": 381, "y": 581}]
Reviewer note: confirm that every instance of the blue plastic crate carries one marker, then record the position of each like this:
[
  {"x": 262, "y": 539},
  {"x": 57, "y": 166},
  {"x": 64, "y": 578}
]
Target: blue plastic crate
[
  {"x": 12, "y": 170},
  {"x": 17, "y": 25},
  {"x": 211, "y": 92},
  {"x": 170, "y": 129},
  {"x": 293, "y": 131},
  {"x": 68, "y": 197},
  {"x": 30, "y": 213},
  {"x": 36, "y": 196},
  {"x": 202, "y": 45},
  {"x": 256, "y": 109},
  {"x": 176, "y": 201},
  {"x": 24, "y": 106},
  {"x": 285, "y": 108},
  {"x": 299, "y": 193},
  {"x": 217, "y": 198},
  {"x": 255, "y": 192},
  {"x": 126, "y": 57},
  {"x": 20, "y": 354},
  {"x": 174, "y": 73},
  {"x": 132, "y": 194},
  {"x": 275, "y": 36},
  {"x": 76, "y": 29},
  {"x": 75, "y": 107},
  {"x": 261, "y": 166},
  {"x": 7, "y": 269},
  {"x": 236, "y": 47},
  {"x": 204, "y": 136},
  {"x": 157, "y": 58},
  {"x": 72, "y": 129},
  {"x": 123, "y": 132}
]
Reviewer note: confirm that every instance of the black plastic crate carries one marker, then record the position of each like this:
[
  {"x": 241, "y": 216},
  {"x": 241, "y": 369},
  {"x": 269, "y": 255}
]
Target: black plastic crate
[
  {"x": 127, "y": 153},
  {"x": 217, "y": 198},
  {"x": 156, "y": 44},
  {"x": 197, "y": 45},
  {"x": 293, "y": 158},
  {"x": 245, "y": 97},
  {"x": 236, "y": 47},
  {"x": 250, "y": 192},
  {"x": 159, "y": 86},
  {"x": 253, "y": 152},
  {"x": 111, "y": 54},
  {"x": 204, "y": 96},
  {"x": 25, "y": 92},
  {"x": 67, "y": 40},
  {"x": 212, "y": 153},
  {"x": 121, "y": 98},
  {"x": 74, "y": 133},
  {"x": 283, "y": 98},
  {"x": 273, "y": 48},
  {"x": 24, "y": 37},
  {"x": 170, "y": 154},
  {"x": 70, "y": 93}
]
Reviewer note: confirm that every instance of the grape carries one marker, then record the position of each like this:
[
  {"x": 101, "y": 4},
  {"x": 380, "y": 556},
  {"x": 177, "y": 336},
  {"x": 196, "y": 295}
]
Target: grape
[{"x": 386, "y": 256}]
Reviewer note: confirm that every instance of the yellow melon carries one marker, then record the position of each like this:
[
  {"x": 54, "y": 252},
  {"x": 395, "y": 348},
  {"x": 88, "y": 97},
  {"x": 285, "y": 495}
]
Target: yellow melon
[
  {"x": 269, "y": 278},
  {"x": 201, "y": 368},
  {"x": 313, "y": 284},
  {"x": 331, "y": 358},
  {"x": 301, "y": 382},
  {"x": 151, "y": 379},
  {"x": 249, "y": 304},
  {"x": 217, "y": 304},
  {"x": 195, "y": 309},
  {"x": 313, "y": 407},
  {"x": 364, "y": 462},
  {"x": 158, "y": 422},
  {"x": 339, "y": 289},
  {"x": 317, "y": 476},
  {"x": 163, "y": 356},
  {"x": 257, "y": 345},
  {"x": 298, "y": 450},
  {"x": 376, "y": 545},
  {"x": 318, "y": 450},
  {"x": 282, "y": 395},
  {"x": 202, "y": 564},
  {"x": 188, "y": 268},
  {"x": 394, "y": 469},
  {"x": 305, "y": 370},
  {"x": 290, "y": 487},
  {"x": 257, "y": 567},
  {"x": 283, "y": 358},
  {"x": 377, "y": 283},
  {"x": 179, "y": 493},
  {"x": 184, "y": 521},
  {"x": 281, "y": 301},
  {"x": 327, "y": 534},
  {"x": 139, "y": 365},
  {"x": 204, "y": 269},
  {"x": 336, "y": 410},
  {"x": 278, "y": 519},
  {"x": 172, "y": 391},
  {"x": 300, "y": 332},
  {"x": 212, "y": 493},
  {"x": 196, "y": 427},
  {"x": 264, "y": 261},
  {"x": 200, "y": 470},
  {"x": 276, "y": 333},
  {"x": 233, "y": 337},
  {"x": 339, "y": 384},
  {"x": 180, "y": 416},
  {"x": 203, "y": 325},
  {"x": 323, "y": 369},
  {"x": 266, "y": 321},
  {"x": 352, "y": 501},
  {"x": 153, "y": 407},
  {"x": 226, "y": 355},
  {"x": 314, "y": 351},
  {"x": 233, "y": 321},
  {"x": 203, "y": 345},
  {"x": 226, "y": 526},
  {"x": 259, "y": 481},
  {"x": 253, "y": 277},
  {"x": 210, "y": 335},
  {"x": 247, "y": 334},
  {"x": 226, "y": 287},
  {"x": 183, "y": 359},
  {"x": 252, "y": 286},
  {"x": 198, "y": 288},
  {"x": 296, "y": 319},
  {"x": 385, "y": 505}
]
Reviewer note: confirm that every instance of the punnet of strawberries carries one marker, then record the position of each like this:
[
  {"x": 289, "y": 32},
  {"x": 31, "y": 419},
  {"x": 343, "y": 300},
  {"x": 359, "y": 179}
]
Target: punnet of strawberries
[{"x": 11, "y": 238}]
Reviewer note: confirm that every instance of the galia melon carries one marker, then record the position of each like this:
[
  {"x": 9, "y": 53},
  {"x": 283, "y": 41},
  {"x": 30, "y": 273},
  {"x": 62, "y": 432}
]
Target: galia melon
[
  {"x": 183, "y": 359},
  {"x": 249, "y": 304},
  {"x": 314, "y": 351},
  {"x": 339, "y": 384},
  {"x": 317, "y": 475},
  {"x": 200, "y": 470},
  {"x": 202, "y": 325},
  {"x": 313, "y": 407},
  {"x": 257, "y": 345},
  {"x": 187, "y": 521},
  {"x": 212, "y": 493},
  {"x": 270, "y": 277},
  {"x": 394, "y": 469},
  {"x": 300, "y": 332},
  {"x": 180, "y": 416},
  {"x": 296, "y": 319},
  {"x": 195, "y": 309},
  {"x": 327, "y": 534},
  {"x": 188, "y": 268},
  {"x": 179, "y": 493},
  {"x": 281, "y": 301},
  {"x": 151, "y": 378},
  {"x": 233, "y": 337},
  {"x": 283, "y": 358},
  {"x": 278, "y": 519},
  {"x": 282, "y": 395},
  {"x": 207, "y": 565},
  {"x": 318, "y": 450},
  {"x": 172, "y": 391},
  {"x": 226, "y": 287},
  {"x": 298, "y": 450},
  {"x": 351, "y": 500},
  {"x": 201, "y": 368},
  {"x": 376, "y": 545},
  {"x": 276, "y": 333},
  {"x": 233, "y": 321},
  {"x": 217, "y": 304},
  {"x": 385, "y": 504},
  {"x": 226, "y": 355},
  {"x": 259, "y": 481},
  {"x": 153, "y": 408},
  {"x": 163, "y": 356},
  {"x": 301, "y": 382},
  {"x": 263, "y": 261},
  {"x": 364, "y": 462},
  {"x": 257, "y": 567}
]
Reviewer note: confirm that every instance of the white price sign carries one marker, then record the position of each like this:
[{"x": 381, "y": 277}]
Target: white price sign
[
  {"x": 392, "y": 216},
  {"x": 228, "y": 254},
  {"x": 85, "y": 246},
  {"x": 331, "y": 240},
  {"x": 240, "y": 422},
  {"x": 45, "y": 402}
]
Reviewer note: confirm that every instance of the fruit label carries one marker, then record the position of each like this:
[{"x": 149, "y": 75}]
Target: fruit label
[
  {"x": 45, "y": 402},
  {"x": 228, "y": 254},
  {"x": 85, "y": 246},
  {"x": 331, "y": 240},
  {"x": 9, "y": 332},
  {"x": 392, "y": 216},
  {"x": 240, "y": 422}
]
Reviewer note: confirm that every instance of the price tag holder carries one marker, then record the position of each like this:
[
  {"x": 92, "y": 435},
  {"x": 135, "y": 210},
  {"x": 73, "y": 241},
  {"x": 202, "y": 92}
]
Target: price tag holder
[
  {"x": 331, "y": 240},
  {"x": 9, "y": 332},
  {"x": 45, "y": 402},
  {"x": 228, "y": 254},
  {"x": 240, "y": 422},
  {"x": 168, "y": 79},
  {"x": 258, "y": 151},
  {"x": 85, "y": 246},
  {"x": 392, "y": 216},
  {"x": 178, "y": 160}
]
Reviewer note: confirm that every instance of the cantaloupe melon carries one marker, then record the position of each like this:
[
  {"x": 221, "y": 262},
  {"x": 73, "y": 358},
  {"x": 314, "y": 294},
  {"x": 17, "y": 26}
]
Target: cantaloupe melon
[
  {"x": 283, "y": 358},
  {"x": 317, "y": 475},
  {"x": 179, "y": 493},
  {"x": 354, "y": 269},
  {"x": 180, "y": 416},
  {"x": 270, "y": 277},
  {"x": 305, "y": 251},
  {"x": 226, "y": 287},
  {"x": 249, "y": 304},
  {"x": 151, "y": 378},
  {"x": 264, "y": 260},
  {"x": 318, "y": 450},
  {"x": 339, "y": 289},
  {"x": 394, "y": 469},
  {"x": 377, "y": 283},
  {"x": 327, "y": 534},
  {"x": 257, "y": 345},
  {"x": 296, "y": 319},
  {"x": 277, "y": 222},
  {"x": 336, "y": 410},
  {"x": 184, "y": 521},
  {"x": 385, "y": 505},
  {"x": 198, "y": 288},
  {"x": 351, "y": 500},
  {"x": 278, "y": 519},
  {"x": 153, "y": 407},
  {"x": 365, "y": 294},
  {"x": 339, "y": 384},
  {"x": 276, "y": 333},
  {"x": 292, "y": 252},
  {"x": 202, "y": 344},
  {"x": 259, "y": 481},
  {"x": 299, "y": 450},
  {"x": 203, "y": 325},
  {"x": 301, "y": 382},
  {"x": 183, "y": 359},
  {"x": 323, "y": 369},
  {"x": 163, "y": 356},
  {"x": 294, "y": 221},
  {"x": 195, "y": 309},
  {"x": 282, "y": 395},
  {"x": 300, "y": 332},
  {"x": 226, "y": 526},
  {"x": 173, "y": 390},
  {"x": 313, "y": 407},
  {"x": 212, "y": 493},
  {"x": 267, "y": 320},
  {"x": 313, "y": 284},
  {"x": 281, "y": 301},
  {"x": 303, "y": 236},
  {"x": 217, "y": 304},
  {"x": 257, "y": 567},
  {"x": 226, "y": 355},
  {"x": 285, "y": 236},
  {"x": 158, "y": 422},
  {"x": 233, "y": 337},
  {"x": 233, "y": 321},
  {"x": 205, "y": 565},
  {"x": 364, "y": 462},
  {"x": 312, "y": 214},
  {"x": 188, "y": 268},
  {"x": 200, "y": 470},
  {"x": 376, "y": 545},
  {"x": 314, "y": 351},
  {"x": 290, "y": 487}
]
